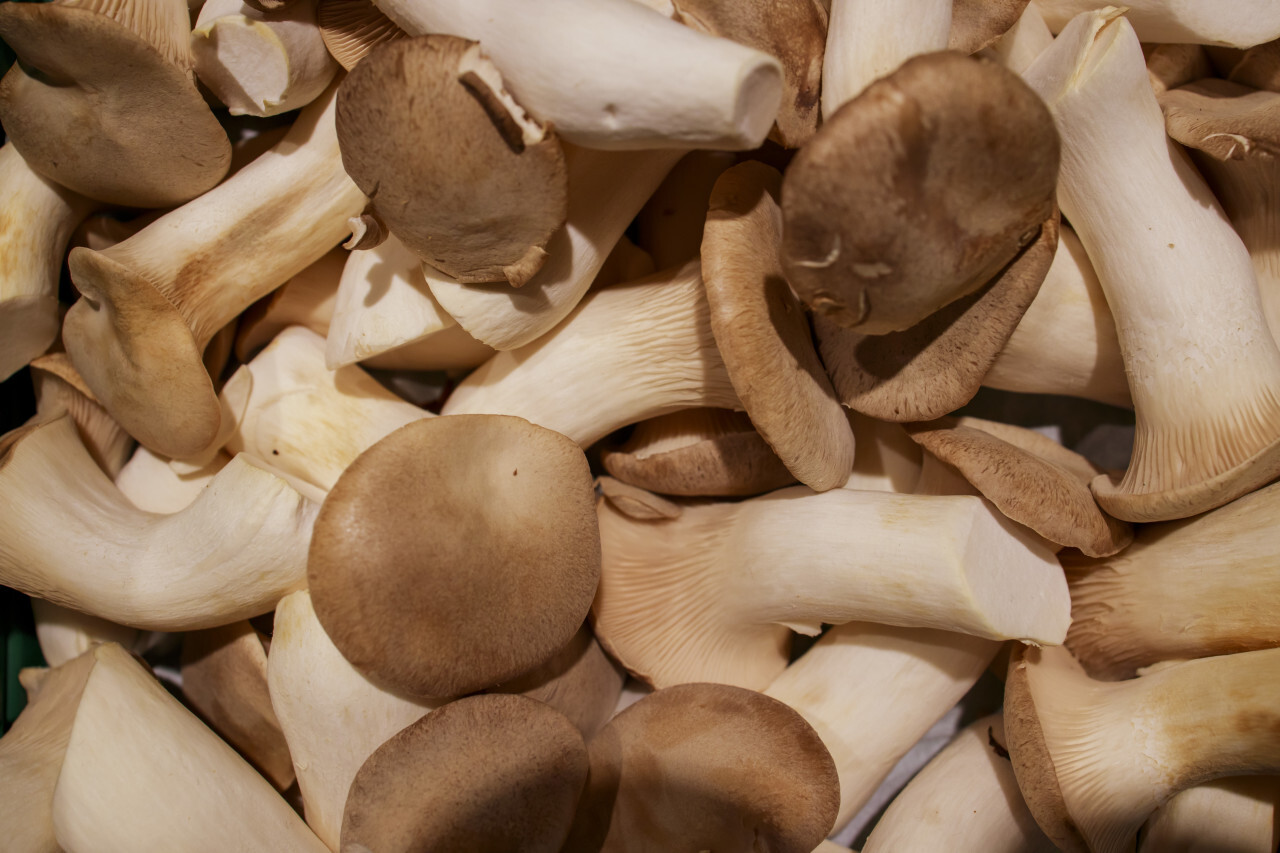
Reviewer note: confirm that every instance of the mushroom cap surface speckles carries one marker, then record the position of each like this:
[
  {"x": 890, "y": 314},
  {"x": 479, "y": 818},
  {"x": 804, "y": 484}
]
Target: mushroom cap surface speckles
[
  {"x": 713, "y": 767},
  {"x": 947, "y": 168},
  {"x": 96, "y": 108},
  {"x": 485, "y": 774},
  {"x": 455, "y": 168},
  {"x": 456, "y": 553}
]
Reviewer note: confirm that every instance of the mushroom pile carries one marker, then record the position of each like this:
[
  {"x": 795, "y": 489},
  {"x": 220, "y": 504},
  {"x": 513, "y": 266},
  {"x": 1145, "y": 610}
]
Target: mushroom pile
[{"x": 548, "y": 425}]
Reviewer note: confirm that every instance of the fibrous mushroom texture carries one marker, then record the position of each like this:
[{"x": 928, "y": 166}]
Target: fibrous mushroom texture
[
  {"x": 948, "y": 168},
  {"x": 454, "y": 166},
  {"x": 456, "y": 553}
]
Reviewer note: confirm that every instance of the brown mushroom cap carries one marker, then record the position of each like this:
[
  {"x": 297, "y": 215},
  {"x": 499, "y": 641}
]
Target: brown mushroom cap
[
  {"x": 453, "y": 166},
  {"x": 698, "y": 452},
  {"x": 99, "y": 109},
  {"x": 975, "y": 24},
  {"x": 1028, "y": 488},
  {"x": 707, "y": 767},
  {"x": 456, "y": 553},
  {"x": 948, "y": 168},
  {"x": 792, "y": 31},
  {"x": 763, "y": 333},
  {"x": 352, "y": 28},
  {"x": 937, "y": 365},
  {"x": 1225, "y": 120},
  {"x": 485, "y": 774}
]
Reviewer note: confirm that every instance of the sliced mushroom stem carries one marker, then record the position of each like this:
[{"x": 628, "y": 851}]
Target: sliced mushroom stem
[
  {"x": 652, "y": 82},
  {"x": 1090, "y": 781},
  {"x": 747, "y": 572},
  {"x": 1241, "y": 24},
  {"x": 626, "y": 353},
  {"x": 261, "y": 63},
  {"x": 867, "y": 39},
  {"x": 907, "y": 678},
  {"x": 71, "y": 537},
  {"x": 1202, "y": 366},
  {"x": 966, "y": 799},
  {"x": 154, "y": 301},
  {"x": 38, "y": 221}
]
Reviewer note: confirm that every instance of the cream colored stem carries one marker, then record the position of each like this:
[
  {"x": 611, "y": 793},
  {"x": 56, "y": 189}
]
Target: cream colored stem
[
  {"x": 332, "y": 716},
  {"x": 610, "y": 73},
  {"x": 72, "y": 538},
  {"x": 65, "y": 634},
  {"x": 1066, "y": 342},
  {"x": 1241, "y": 23},
  {"x": 965, "y": 800},
  {"x": 38, "y": 219},
  {"x": 867, "y": 39},
  {"x": 1202, "y": 366},
  {"x": 606, "y": 190},
  {"x": 186, "y": 789},
  {"x": 1236, "y": 815},
  {"x": 872, "y": 691},
  {"x": 627, "y": 353},
  {"x": 261, "y": 64},
  {"x": 1024, "y": 41}
]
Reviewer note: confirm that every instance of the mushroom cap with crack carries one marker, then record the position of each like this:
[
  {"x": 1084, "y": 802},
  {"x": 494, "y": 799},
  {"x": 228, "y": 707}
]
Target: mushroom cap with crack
[
  {"x": 707, "y": 767},
  {"x": 455, "y": 168},
  {"x": 948, "y": 169},
  {"x": 100, "y": 110},
  {"x": 485, "y": 774},
  {"x": 456, "y": 553}
]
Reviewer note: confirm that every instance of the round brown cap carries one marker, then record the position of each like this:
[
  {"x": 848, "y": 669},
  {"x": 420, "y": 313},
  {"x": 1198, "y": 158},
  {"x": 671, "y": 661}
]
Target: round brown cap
[
  {"x": 917, "y": 192},
  {"x": 456, "y": 553},
  {"x": 485, "y": 774}
]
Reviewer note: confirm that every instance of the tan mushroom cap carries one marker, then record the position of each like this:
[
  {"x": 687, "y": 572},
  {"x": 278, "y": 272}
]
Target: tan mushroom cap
[
  {"x": 99, "y": 109},
  {"x": 976, "y": 24},
  {"x": 59, "y": 387},
  {"x": 1028, "y": 488},
  {"x": 948, "y": 168},
  {"x": 352, "y": 28},
  {"x": 937, "y": 365},
  {"x": 454, "y": 167},
  {"x": 763, "y": 333},
  {"x": 698, "y": 452},
  {"x": 1225, "y": 120},
  {"x": 485, "y": 774},
  {"x": 707, "y": 767},
  {"x": 456, "y": 553},
  {"x": 792, "y": 31}
]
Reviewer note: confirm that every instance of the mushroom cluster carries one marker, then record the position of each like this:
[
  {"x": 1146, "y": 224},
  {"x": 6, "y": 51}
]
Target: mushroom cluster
[{"x": 576, "y": 399}]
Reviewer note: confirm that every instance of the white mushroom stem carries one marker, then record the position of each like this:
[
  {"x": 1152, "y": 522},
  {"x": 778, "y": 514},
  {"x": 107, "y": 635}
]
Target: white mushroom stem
[
  {"x": 71, "y": 537},
  {"x": 383, "y": 302},
  {"x": 1202, "y": 366},
  {"x": 610, "y": 73},
  {"x": 65, "y": 634},
  {"x": 333, "y": 717},
  {"x": 965, "y": 800},
  {"x": 186, "y": 790},
  {"x": 305, "y": 420},
  {"x": 628, "y": 352},
  {"x": 867, "y": 39},
  {"x": 1237, "y": 815},
  {"x": 259, "y": 63},
  {"x": 606, "y": 190},
  {"x": 872, "y": 691},
  {"x": 1239, "y": 23},
  {"x": 39, "y": 217},
  {"x": 154, "y": 484},
  {"x": 1066, "y": 342},
  {"x": 1024, "y": 41},
  {"x": 307, "y": 299}
]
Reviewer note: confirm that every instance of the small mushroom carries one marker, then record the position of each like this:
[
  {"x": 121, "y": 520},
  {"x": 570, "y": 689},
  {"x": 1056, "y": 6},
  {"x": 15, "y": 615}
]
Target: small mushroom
[
  {"x": 473, "y": 185},
  {"x": 948, "y": 170},
  {"x": 489, "y": 774},
  {"x": 102, "y": 101},
  {"x": 456, "y": 553}
]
